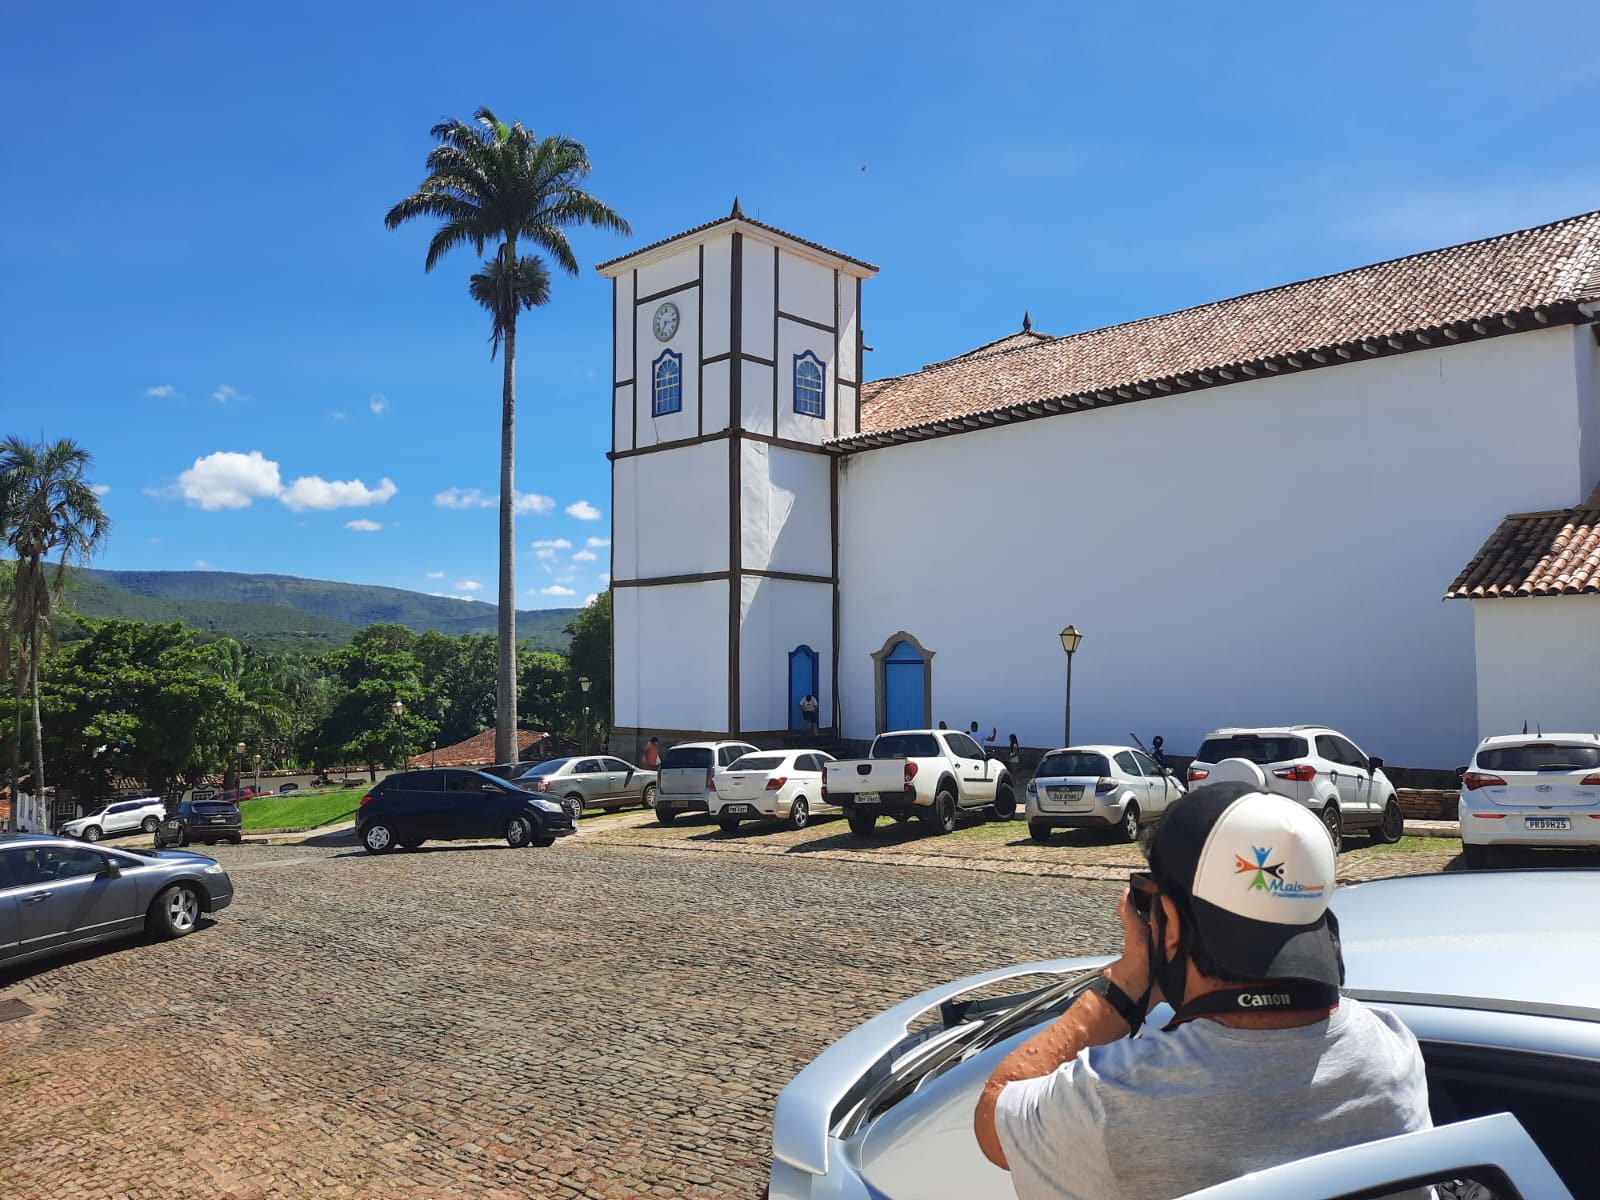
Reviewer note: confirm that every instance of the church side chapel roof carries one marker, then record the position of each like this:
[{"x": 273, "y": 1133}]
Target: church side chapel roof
[
  {"x": 1510, "y": 283},
  {"x": 1537, "y": 554}
]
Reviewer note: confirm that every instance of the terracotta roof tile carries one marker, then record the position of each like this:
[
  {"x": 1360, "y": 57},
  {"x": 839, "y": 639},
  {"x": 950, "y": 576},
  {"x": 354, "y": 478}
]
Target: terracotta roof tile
[
  {"x": 477, "y": 750},
  {"x": 1537, "y": 554},
  {"x": 1515, "y": 273}
]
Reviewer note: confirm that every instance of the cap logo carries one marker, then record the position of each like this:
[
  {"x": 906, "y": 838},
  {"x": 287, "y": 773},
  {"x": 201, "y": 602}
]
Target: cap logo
[{"x": 1268, "y": 877}]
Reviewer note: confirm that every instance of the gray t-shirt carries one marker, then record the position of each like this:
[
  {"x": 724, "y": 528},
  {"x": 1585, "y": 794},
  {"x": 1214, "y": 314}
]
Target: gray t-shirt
[{"x": 1161, "y": 1115}]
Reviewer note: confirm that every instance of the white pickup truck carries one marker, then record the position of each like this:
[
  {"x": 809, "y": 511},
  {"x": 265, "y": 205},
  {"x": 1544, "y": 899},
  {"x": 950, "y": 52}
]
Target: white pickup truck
[{"x": 931, "y": 773}]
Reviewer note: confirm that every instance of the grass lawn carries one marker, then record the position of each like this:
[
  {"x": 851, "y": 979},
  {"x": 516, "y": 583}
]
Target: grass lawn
[{"x": 301, "y": 810}]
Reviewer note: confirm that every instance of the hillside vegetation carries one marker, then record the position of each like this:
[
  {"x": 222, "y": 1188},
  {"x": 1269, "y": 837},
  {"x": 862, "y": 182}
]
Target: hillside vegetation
[{"x": 279, "y": 612}]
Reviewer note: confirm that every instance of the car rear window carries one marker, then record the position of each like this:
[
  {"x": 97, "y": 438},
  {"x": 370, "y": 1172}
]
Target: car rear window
[
  {"x": 757, "y": 762},
  {"x": 687, "y": 756},
  {"x": 906, "y": 745},
  {"x": 548, "y": 767},
  {"x": 1255, "y": 749},
  {"x": 212, "y": 806},
  {"x": 1074, "y": 762},
  {"x": 1540, "y": 756}
]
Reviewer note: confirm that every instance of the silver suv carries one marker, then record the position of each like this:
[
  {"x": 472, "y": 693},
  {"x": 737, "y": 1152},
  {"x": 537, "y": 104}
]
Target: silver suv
[
  {"x": 117, "y": 817},
  {"x": 1317, "y": 766}
]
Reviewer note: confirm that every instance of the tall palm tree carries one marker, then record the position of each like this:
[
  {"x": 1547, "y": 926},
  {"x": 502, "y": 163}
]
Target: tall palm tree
[
  {"x": 489, "y": 182},
  {"x": 49, "y": 510}
]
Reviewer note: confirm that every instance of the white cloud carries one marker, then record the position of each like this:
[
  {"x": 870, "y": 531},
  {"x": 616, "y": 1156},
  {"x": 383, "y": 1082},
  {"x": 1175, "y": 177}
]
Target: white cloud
[
  {"x": 201, "y": 564},
  {"x": 553, "y": 544},
  {"x": 228, "y": 479},
  {"x": 596, "y": 543},
  {"x": 605, "y": 577},
  {"x": 435, "y": 574},
  {"x": 565, "y": 578},
  {"x": 590, "y": 598},
  {"x": 583, "y": 510},
  {"x": 154, "y": 541},
  {"x": 546, "y": 555},
  {"x": 449, "y": 596},
  {"x": 228, "y": 395},
  {"x": 468, "y": 585},
  {"x": 164, "y": 392},
  {"x": 585, "y": 556},
  {"x": 463, "y": 498},
  {"x": 533, "y": 502},
  {"x": 557, "y": 590},
  {"x": 337, "y": 416},
  {"x": 312, "y": 491},
  {"x": 362, "y": 525},
  {"x": 378, "y": 403},
  {"x": 101, "y": 489}
]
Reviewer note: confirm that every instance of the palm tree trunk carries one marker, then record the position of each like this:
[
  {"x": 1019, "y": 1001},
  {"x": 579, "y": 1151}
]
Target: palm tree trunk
[
  {"x": 505, "y": 725},
  {"x": 20, "y": 688},
  {"x": 38, "y": 729}
]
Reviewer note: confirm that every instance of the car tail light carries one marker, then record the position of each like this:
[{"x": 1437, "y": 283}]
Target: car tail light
[
  {"x": 911, "y": 771},
  {"x": 1304, "y": 773},
  {"x": 776, "y": 782},
  {"x": 1473, "y": 780},
  {"x": 711, "y": 782},
  {"x": 364, "y": 800},
  {"x": 1591, "y": 780},
  {"x": 1490, "y": 816},
  {"x": 1196, "y": 774},
  {"x": 543, "y": 785},
  {"x": 1104, "y": 784}
]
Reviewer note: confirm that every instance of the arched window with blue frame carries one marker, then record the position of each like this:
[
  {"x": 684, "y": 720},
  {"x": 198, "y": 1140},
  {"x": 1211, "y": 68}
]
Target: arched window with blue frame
[
  {"x": 667, "y": 373},
  {"x": 809, "y": 379}
]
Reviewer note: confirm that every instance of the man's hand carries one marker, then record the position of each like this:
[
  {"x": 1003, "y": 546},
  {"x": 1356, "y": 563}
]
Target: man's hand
[{"x": 1132, "y": 972}]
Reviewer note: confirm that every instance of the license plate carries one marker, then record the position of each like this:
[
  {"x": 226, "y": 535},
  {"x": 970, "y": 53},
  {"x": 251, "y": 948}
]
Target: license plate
[
  {"x": 677, "y": 804},
  {"x": 1547, "y": 822},
  {"x": 1066, "y": 793},
  {"x": 867, "y": 798},
  {"x": 736, "y": 808}
]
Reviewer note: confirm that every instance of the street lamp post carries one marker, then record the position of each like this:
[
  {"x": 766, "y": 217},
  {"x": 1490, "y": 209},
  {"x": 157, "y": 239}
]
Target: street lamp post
[
  {"x": 258, "y": 773},
  {"x": 584, "y": 682},
  {"x": 239, "y": 749},
  {"x": 432, "y": 746},
  {"x": 1071, "y": 636},
  {"x": 399, "y": 711}
]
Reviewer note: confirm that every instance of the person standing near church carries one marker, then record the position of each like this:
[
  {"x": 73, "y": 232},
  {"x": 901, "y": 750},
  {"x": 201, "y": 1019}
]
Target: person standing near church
[
  {"x": 651, "y": 759},
  {"x": 808, "y": 712}
]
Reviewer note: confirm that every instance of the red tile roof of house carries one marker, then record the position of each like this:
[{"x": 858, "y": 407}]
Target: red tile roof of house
[
  {"x": 1553, "y": 553},
  {"x": 477, "y": 750},
  {"x": 1512, "y": 282}
]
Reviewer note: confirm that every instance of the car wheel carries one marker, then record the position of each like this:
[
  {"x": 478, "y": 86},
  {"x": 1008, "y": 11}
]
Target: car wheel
[
  {"x": 92, "y": 834},
  {"x": 518, "y": 833},
  {"x": 1476, "y": 857},
  {"x": 573, "y": 803},
  {"x": 665, "y": 816},
  {"x": 1128, "y": 827},
  {"x": 649, "y": 798},
  {"x": 176, "y": 911},
  {"x": 799, "y": 813},
  {"x": 1039, "y": 831},
  {"x": 149, "y": 824},
  {"x": 1005, "y": 802},
  {"x": 1389, "y": 830},
  {"x": 729, "y": 824},
  {"x": 1331, "y": 822},
  {"x": 942, "y": 816},
  {"x": 862, "y": 821},
  {"x": 378, "y": 838}
]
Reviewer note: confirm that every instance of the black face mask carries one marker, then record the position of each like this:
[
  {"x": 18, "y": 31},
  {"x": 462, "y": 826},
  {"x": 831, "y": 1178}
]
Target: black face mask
[{"x": 1171, "y": 974}]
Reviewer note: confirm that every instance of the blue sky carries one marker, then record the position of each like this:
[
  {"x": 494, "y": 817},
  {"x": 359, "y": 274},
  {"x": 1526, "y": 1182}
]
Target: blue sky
[{"x": 193, "y": 262}]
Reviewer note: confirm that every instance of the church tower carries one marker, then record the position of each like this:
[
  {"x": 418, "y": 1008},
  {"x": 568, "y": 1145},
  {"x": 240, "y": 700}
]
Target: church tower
[{"x": 736, "y": 355}]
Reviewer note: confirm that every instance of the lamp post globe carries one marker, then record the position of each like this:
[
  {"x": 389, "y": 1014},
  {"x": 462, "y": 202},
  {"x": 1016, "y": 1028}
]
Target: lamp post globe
[
  {"x": 584, "y": 683},
  {"x": 1071, "y": 639}
]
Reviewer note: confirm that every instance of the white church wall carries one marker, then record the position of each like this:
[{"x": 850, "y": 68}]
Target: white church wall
[
  {"x": 671, "y": 512},
  {"x": 656, "y": 688},
  {"x": 756, "y": 302},
  {"x": 805, "y": 289},
  {"x": 756, "y": 395},
  {"x": 845, "y": 420},
  {"x": 784, "y": 510},
  {"x": 622, "y": 418},
  {"x": 685, "y": 343},
  {"x": 716, "y": 289},
  {"x": 675, "y": 271},
  {"x": 1538, "y": 661},
  {"x": 714, "y": 396},
  {"x": 777, "y": 616},
  {"x": 1587, "y": 358},
  {"x": 622, "y": 325},
  {"x": 1270, "y": 551},
  {"x": 793, "y": 339}
]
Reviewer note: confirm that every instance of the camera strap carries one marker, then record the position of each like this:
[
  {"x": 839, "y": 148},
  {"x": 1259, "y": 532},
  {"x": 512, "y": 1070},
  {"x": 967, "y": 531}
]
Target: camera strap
[{"x": 1286, "y": 995}]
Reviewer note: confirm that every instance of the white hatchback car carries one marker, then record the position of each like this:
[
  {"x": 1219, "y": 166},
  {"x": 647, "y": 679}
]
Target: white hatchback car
[
  {"x": 117, "y": 817},
  {"x": 684, "y": 781},
  {"x": 781, "y": 784},
  {"x": 1531, "y": 791},
  {"x": 1098, "y": 787}
]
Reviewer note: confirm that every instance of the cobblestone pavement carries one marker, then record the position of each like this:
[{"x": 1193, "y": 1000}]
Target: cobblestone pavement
[{"x": 611, "y": 1017}]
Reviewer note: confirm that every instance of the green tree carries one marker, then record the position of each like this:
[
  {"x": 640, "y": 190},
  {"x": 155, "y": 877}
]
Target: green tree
[
  {"x": 590, "y": 655},
  {"x": 362, "y": 724},
  {"x": 46, "y": 509},
  {"x": 458, "y": 674},
  {"x": 488, "y": 182},
  {"x": 546, "y": 694}
]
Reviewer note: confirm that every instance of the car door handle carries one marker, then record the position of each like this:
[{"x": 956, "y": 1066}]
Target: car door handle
[{"x": 38, "y": 896}]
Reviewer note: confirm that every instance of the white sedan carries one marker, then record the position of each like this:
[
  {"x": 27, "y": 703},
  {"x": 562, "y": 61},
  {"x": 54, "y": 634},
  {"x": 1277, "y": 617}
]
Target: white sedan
[
  {"x": 1531, "y": 791},
  {"x": 781, "y": 784}
]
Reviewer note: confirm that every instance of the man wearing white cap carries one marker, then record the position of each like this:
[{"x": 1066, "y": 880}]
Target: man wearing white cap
[{"x": 1263, "y": 1062}]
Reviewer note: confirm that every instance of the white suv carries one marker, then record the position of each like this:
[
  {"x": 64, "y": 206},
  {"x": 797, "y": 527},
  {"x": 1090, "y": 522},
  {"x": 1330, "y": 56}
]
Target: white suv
[
  {"x": 119, "y": 816},
  {"x": 1317, "y": 766},
  {"x": 1531, "y": 791}
]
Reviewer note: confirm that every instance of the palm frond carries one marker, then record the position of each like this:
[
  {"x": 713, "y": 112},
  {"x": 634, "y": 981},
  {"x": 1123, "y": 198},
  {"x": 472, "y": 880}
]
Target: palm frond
[{"x": 504, "y": 289}]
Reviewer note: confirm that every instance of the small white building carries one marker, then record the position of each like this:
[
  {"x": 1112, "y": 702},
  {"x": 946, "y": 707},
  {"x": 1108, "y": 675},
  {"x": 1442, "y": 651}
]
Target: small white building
[{"x": 1251, "y": 508}]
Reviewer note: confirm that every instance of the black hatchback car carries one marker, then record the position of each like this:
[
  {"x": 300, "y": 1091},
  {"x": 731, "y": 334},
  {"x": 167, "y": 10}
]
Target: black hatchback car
[
  {"x": 455, "y": 804},
  {"x": 209, "y": 821}
]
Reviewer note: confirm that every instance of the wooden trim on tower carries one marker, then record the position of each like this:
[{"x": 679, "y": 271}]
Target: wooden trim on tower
[
  {"x": 639, "y": 301},
  {"x": 670, "y": 580},
  {"x": 861, "y": 351},
  {"x": 799, "y": 320},
  {"x": 833, "y": 524},
  {"x": 700, "y": 354},
  {"x": 777, "y": 264},
  {"x": 735, "y": 450},
  {"x": 633, "y": 340}
]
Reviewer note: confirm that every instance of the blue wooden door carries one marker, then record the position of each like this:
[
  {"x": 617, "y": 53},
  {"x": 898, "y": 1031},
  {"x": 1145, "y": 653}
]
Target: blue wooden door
[
  {"x": 802, "y": 683},
  {"x": 905, "y": 688}
]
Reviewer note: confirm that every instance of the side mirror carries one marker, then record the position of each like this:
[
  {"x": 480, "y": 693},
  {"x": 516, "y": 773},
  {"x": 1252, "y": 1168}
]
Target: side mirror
[
  {"x": 1376, "y": 763},
  {"x": 1166, "y": 771},
  {"x": 1460, "y": 771},
  {"x": 109, "y": 870}
]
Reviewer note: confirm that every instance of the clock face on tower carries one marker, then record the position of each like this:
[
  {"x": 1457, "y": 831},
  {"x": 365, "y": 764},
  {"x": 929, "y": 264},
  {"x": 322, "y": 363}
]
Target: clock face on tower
[{"x": 665, "y": 322}]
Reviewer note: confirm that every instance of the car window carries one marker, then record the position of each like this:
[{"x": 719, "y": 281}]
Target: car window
[
  {"x": 1352, "y": 756},
  {"x": 1328, "y": 747},
  {"x": 757, "y": 762},
  {"x": 807, "y": 762},
  {"x": 905, "y": 745},
  {"x": 462, "y": 781},
  {"x": 1540, "y": 756},
  {"x": 614, "y": 764},
  {"x": 586, "y": 766},
  {"x": 1125, "y": 762},
  {"x": 1260, "y": 749},
  {"x": 419, "y": 781},
  {"x": 962, "y": 746},
  {"x": 1072, "y": 762},
  {"x": 727, "y": 754},
  {"x": 11, "y": 867},
  {"x": 45, "y": 863},
  {"x": 1148, "y": 764},
  {"x": 550, "y": 766},
  {"x": 687, "y": 756}
]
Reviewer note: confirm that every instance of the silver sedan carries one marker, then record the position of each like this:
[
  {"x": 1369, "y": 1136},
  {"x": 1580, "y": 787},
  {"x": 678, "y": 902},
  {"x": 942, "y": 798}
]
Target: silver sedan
[
  {"x": 590, "y": 781},
  {"x": 57, "y": 894}
]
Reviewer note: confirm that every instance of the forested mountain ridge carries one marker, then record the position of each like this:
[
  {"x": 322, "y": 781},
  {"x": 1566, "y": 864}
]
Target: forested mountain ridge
[{"x": 285, "y": 611}]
